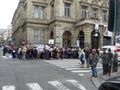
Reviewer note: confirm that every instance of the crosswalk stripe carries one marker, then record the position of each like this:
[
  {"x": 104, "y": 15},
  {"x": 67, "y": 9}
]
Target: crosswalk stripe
[
  {"x": 34, "y": 86},
  {"x": 73, "y": 66},
  {"x": 81, "y": 74},
  {"x": 69, "y": 66},
  {"x": 79, "y": 71},
  {"x": 9, "y": 87},
  {"x": 76, "y": 84},
  {"x": 4, "y": 56},
  {"x": 58, "y": 85},
  {"x": 77, "y": 68},
  {"x": 99, "y": 67}
]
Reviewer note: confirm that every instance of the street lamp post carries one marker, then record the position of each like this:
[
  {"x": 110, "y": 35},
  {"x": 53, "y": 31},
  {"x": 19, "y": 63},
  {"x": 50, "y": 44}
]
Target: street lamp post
[{"x": 96, "y": 36}]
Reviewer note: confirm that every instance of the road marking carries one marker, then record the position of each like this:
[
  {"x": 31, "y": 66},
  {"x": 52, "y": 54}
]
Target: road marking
[
  {"x": 77, "y": 68},
  {"x": 79, "y": 71},
  {"x": 69, "y": 66},
  {"x": 76, "y": 84},
  {"x": 99, "y": 67},
  {"x": 58, "y": 85},
  {"x": 81, "y": 74},
  {"x": 4, "y": 56},
  {"x": 9, "y": 87},
  {"x": 34, "y": 86}
]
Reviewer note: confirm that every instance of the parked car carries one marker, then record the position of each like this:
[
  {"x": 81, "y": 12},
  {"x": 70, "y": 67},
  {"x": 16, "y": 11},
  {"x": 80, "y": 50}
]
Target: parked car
[{"x": 111, "y": 84}]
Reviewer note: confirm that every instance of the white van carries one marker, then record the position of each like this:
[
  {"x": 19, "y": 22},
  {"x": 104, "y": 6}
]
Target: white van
[
  {"x": 113, "y": 48},
  {"x": 118, "y": 51},
  {"x": 106, "y": 48}
]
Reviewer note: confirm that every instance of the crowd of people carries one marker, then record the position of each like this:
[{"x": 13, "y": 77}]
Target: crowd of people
[{"x": 87, "y": 56}]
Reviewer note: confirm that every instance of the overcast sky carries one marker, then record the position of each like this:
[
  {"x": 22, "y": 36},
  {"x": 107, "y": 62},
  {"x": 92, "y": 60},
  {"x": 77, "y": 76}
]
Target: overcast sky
[{"x": 7, "y": 9}]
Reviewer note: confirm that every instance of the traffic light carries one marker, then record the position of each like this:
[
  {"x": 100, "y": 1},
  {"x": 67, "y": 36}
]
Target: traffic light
[
  {"x": 111, "y": 15},
  {"x": 114, "y": 16}
]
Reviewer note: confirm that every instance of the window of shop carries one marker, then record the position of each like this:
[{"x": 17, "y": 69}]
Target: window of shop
[
  {"x": 39, "y": 11},
  {"x": 36, "y": 11},
  {"x": 67, "y": 9},
  {"x": 38, "y": 37},
  {"x": 42, "y": 12},
  {"x": 104, "y": 15},
  {"x": 84, "y": 11},
  {"x": 94, "y": 12},
  {"x": 52, "y": 10}
]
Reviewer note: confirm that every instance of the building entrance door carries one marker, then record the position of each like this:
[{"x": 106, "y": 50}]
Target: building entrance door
[{"x": 67, "y": 36}]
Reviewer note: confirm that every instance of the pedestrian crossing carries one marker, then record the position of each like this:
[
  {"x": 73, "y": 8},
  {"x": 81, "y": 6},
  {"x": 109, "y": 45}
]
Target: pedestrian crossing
[
  {"x": 34, "y": 86},
  {"x": 56, "y": 85},
  {"x": 72, "y": 65},
  {"x": 7, "y": 56},
  {"x": 9, "y": 87}
]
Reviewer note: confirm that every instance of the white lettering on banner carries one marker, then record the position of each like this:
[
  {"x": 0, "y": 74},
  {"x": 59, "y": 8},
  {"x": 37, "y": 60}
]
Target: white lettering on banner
[
  {"x": 9, "y": 87},
  {"x": 34, "y": 86},
  {"x": 76, "y": 84},
  {"x": 58, "y": 85}
]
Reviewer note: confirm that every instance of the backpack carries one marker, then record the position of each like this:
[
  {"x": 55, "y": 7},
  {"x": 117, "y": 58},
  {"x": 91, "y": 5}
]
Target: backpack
[{"x": 82, "y": 56}]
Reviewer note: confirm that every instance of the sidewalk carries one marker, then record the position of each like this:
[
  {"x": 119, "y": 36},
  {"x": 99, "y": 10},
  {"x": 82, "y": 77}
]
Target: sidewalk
[{"x": 101, "y": 78}]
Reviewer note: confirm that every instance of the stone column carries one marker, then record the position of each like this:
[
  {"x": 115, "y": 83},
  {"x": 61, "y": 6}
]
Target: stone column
[
  {"x": 87, "y": 36},
  {"x": 58, "y": 36}
]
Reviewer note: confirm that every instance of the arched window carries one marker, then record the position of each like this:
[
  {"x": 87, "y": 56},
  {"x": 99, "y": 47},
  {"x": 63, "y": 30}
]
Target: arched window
[
  {"x": 81, "y": 39},
  {"x": 51, "y": 35},
  {"x": 95, "y": 38}
]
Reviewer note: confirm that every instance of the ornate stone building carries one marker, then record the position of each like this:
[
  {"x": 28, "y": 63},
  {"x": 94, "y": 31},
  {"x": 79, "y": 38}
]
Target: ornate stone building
[{"x": 67, "y": 23}]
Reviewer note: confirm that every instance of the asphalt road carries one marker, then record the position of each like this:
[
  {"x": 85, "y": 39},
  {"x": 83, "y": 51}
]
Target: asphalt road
[{"x": 43, "y": 75}]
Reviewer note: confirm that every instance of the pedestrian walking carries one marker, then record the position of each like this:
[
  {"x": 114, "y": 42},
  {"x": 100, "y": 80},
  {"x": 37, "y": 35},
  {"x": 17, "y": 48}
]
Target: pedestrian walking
[
  {"x": 110, "y": 57},
  {"x": 34, "y": 53},
  {"x": 93, "y": 62},
  {"x": 115, "y": 62},
  {"x": 105, "y": 60}
]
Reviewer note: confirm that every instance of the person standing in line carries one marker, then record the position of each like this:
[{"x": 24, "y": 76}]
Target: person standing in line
[
  {"x": 61, "y": 53},
  {"x": 93, "y": 57},
  {"x": 82, "y": 58},
  {"x": 87, "y": 53},
  {"x": 105, "y": 59},
  {"x": 24, "y": 50},
  {"x": 115, "y": 62},
  {"x": 19, "y": 53},
  {"x": 4, "y": 50},
  {"x": 110, "y": 57}
]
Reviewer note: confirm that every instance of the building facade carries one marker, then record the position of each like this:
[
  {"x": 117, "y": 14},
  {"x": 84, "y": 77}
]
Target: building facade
[
  {"x": 63, "y": 23},
  {"x": 5, "y": 36}
]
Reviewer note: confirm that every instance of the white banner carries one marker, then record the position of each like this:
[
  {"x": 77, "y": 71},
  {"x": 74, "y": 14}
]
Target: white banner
[
  {"x": 51, "y": 41},
  {"x": 106, "y": 32}
]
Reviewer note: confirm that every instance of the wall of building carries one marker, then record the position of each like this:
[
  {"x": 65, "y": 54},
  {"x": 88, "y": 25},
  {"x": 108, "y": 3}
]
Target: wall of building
[{"x": 24, "y": 22}]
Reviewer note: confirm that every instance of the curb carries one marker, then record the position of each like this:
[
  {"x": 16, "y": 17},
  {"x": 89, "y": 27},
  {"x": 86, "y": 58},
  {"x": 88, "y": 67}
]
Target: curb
[
  {"x": 96, "y": 81},
  {"x": 100, "y": 79}
]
